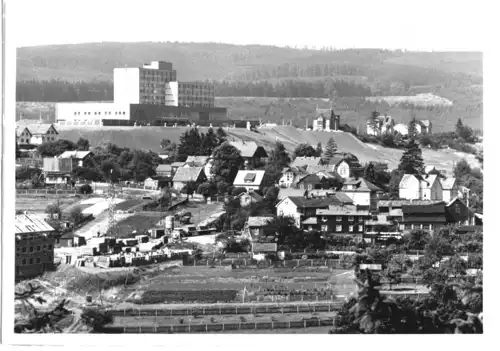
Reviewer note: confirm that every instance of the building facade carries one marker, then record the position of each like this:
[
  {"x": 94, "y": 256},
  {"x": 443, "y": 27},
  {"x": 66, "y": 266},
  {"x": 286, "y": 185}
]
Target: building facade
[
  {"x": 34, "y": 246},
  {"x": 149, "y": 94}
]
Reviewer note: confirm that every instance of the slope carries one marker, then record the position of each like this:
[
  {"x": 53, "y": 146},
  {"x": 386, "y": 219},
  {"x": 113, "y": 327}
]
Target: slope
[{"x": 150, "y": 138}]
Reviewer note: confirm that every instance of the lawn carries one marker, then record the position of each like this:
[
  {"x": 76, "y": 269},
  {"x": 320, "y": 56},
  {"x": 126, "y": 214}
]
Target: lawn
[{"x": 38, "y": 203}]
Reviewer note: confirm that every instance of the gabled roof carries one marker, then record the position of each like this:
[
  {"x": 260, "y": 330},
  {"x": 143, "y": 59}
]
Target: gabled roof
[
  {"x": 403, "y": 184},
  {"x": 436, "y": 208},
  {"x": 247, "y": 148},
  {"x": 427, "y": 181},
  {"x": 306, "y": 161},
  {"x": 254, "y": 177},
  {"x": 286, "y": 192},
  {"x": 253, "y": 195},
  {"x": 197, "y": 160},
  {"x": 31, "y": 224},
  {"x": 342, "y": 197},
  {"x": 310, "y": 220},
  {"x": 20, "y": 129},
  {"x": 178, "y": 164},
  {"x": 259, "y": 221},
  {"x": 318, "y": 168},
  {"x": 335, "y": 160},
  {"x": 360, "y": 184},
  {"x": 36, "y": 128},
  {"x": 311, "y": 177},
  {"x": 187, "y": 174},
  {"x": 448, "y": 183},
  {"x": 164, "y": 168},
  {"x": 429, "y": 169},
  {"x": 401, "y": 203},
  {"x": 79, "y": 155},
  {"x": 425, "y": 122}
]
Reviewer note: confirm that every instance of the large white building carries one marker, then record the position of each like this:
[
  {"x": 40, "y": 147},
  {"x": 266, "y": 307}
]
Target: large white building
[{"x": 149, "y": 94}]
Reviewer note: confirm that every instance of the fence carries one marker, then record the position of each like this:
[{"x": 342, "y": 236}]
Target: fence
[
  {"x": 245, "y": 262},
  {"x": 225, "y": 310},
  {"x": 217, "y": 327},
  {"x": 46, "y": 192}
]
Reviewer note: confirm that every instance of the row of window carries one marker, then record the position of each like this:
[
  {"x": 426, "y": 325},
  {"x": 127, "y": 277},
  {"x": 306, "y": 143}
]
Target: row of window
[
  {"x": 38, "y": 248},
  {"x": 338, "y": 228},
  {"x": 98, "y": 113},
  {"x": 26, "y": 262}
]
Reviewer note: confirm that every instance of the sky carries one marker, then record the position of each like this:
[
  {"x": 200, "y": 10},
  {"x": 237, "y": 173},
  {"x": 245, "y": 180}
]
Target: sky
[{"x": 417, "y": 25}]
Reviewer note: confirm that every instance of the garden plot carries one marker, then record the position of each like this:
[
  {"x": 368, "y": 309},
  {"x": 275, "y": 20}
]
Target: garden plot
[{"x": 38, "y": 203}]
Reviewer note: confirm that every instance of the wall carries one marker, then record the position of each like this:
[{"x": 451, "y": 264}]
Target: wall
[
  {"x": 343, "y": 170},
  {"x": 126, "y": 85},
  {"x": 172, "y": 94},
  {"x": 332, "y": 224},
  {"x": 358, "y": 197},
  {"x": 288, "y": 208},
  {"x": 450, "y": 194},
  {"x": 37, "y": 248},
  {"x": 286, "y": 179},
  {"x": 91, "y": 113},
  {"x": 197, "y": 94},
  {"x": 412, "y": 190}
]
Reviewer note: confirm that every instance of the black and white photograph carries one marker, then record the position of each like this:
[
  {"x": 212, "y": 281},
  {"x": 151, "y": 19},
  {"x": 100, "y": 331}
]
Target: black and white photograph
[{"x": 263, "y": 167}]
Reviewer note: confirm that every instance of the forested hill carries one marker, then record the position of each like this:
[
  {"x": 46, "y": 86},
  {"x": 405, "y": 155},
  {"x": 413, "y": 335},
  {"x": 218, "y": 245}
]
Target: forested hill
[
  {"x": 84, "y": 72},
  {"x": 201, "y": 61}
]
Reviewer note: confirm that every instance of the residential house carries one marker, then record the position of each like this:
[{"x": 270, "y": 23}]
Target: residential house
[
  {"x": 450, "y": 188},
  {"x": 393, "y": 209},
  {"x": 176, "y": 165},
  {"x": 247, "y": 199},
  {"x": 305, "y": 162},
  {"x": 326, "y": 120},
  {"x": 309, "y": 182},
  {"x": 185, "y": 175},
  {"x": 362, "y": 192},
  {"x": 424, "y": 216},
  {"x": 23, "y": 136},
  {"x": 401, "y": 128},
  {"x": 57, "y": 171},
  {"x": 300, "y": 208},
  {"x": 78, "y": 158},
  {"x": 70, "y": 239},
  {"x": 150, "y": 183},
  {"x": 250, "y": 151},
  {"x": 40, "y": 132},
  {"x": 341, "y": 219},
  {"x": 344, "y": 164},
  {"x": 423, "y": 126},
  {"x": 164, "y": 171},
  {"x": 286, "y": 192},
  {"x": 457, "y": 212},
  {"x": 200, "y": 161},
  {"x": 289, "y": 174},
  {"x": 378, "y": 125},
  {"x": 249, "y": 179},
  {"x": 416, "y": 187},
  {"x": 259, "y": 227},
  {"x": 382, "y": 227},
  {"x": 35, "y": 241}
]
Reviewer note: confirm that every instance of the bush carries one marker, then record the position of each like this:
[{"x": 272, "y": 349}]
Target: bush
[
  {"x": 238, "y": 190},
  {"x": 86, "y": 189}
]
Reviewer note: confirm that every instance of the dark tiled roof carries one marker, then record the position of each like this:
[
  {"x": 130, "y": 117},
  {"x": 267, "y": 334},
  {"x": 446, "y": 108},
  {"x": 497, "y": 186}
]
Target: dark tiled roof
[
  {"x": 426, "y": 219},
  {"x": 400, "y": 203},
  {"x": 286, "y": 192},
  {"x": 433, "y": 209},
  {"x": 312, "y": 203}
]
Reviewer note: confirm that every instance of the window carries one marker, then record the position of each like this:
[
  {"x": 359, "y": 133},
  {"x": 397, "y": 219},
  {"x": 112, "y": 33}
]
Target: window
[
  {"x": 309, "y": 186},
  {"x": 338, "y": 228},
  {"x": 425, "y": 226},
  {"x": 31, "y": 261},
  {"x": 38, "y": 248},
  {"x": 351, "y": 228},
  {"x": 18, "y": 249},
  {"x": 351, "y": 218},
  {"x": 38, "y": 260},
  {"x": 457, "y": 209},
  {"x": 324, "y": 228},
  {"x": 339, "y": 218},
  {"x": 50, "y": 247},
  {"x": 407, "y": 226},
  {"x": 31, "y": 248},
  {"x": 23, "y": 261}
]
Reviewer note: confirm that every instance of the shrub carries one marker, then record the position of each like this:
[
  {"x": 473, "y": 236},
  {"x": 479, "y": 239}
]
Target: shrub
[{"x": 86, "y": 189}]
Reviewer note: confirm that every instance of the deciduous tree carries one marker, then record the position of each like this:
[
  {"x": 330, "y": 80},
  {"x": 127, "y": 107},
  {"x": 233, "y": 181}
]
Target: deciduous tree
[{"x": 304, "y": 150}]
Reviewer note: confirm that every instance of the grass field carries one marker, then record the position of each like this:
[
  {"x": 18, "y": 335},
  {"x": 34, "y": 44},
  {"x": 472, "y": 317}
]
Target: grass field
[{"x": 38, "y": 203}]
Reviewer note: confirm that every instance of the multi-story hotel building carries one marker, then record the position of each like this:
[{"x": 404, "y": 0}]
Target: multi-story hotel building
[{"x": 148, "y": 94}]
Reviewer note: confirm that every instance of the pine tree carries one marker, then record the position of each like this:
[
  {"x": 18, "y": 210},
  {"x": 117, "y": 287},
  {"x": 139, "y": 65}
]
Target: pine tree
[
  {"x": 279, "y": 157},
  {"x": 227, "y": 163},
  {"x": 459, "y": 127},
  {"x": 374, "y": 123},
  {"x": 370, "y": 173},
  {"x": 209, "y": 143},
  {"x": 412, "y": 162},
  {"x": 319, "y": 150},
  {"x": 190, "y": 144},
  {"x": 221, "y": 136},
  {"x": 412, "y": 127},
  {"x": 330, "y": 149}
]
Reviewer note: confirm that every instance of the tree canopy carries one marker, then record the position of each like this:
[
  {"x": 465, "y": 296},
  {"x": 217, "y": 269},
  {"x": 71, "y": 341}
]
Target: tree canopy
[
  {"x": 304, "y": 150},
  {"x": 411, "y": 161}
]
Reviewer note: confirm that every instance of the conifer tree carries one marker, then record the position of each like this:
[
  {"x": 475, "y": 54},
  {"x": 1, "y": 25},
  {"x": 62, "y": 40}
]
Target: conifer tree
[
  {"x": 221, "y": 136},
  {"x": 330, "y": 149},
  {"x": 412, "y": 162}
]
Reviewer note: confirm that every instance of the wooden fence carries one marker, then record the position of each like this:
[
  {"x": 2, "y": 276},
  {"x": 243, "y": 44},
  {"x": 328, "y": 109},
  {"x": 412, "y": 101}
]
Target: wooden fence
[
  {"x": 246, "y": 262},
  {"x": 46, "y": 192},
  {"x": 218, "y": 327},
  {"x": 228, "y": 310}
]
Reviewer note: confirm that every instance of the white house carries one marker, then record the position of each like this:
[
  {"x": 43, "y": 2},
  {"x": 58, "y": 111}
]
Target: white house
[
  {"x": 200, "y": 161},
  {"x": 344, "y": 164},
  {"x": 414, "y": 187},
  {"x": 40, "y": 133},
  {"x": 361, "y": 192},
  {"x": 401, "y": 128},
  {"x": 249, "y": 179},
  {"x": 288, "y": 176},
  {"x": 288, "y": 208},
  {"x": 23, "y": 135},
  {"x": 384, "y": 124},
  {"x": 450, "y": 188}
]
